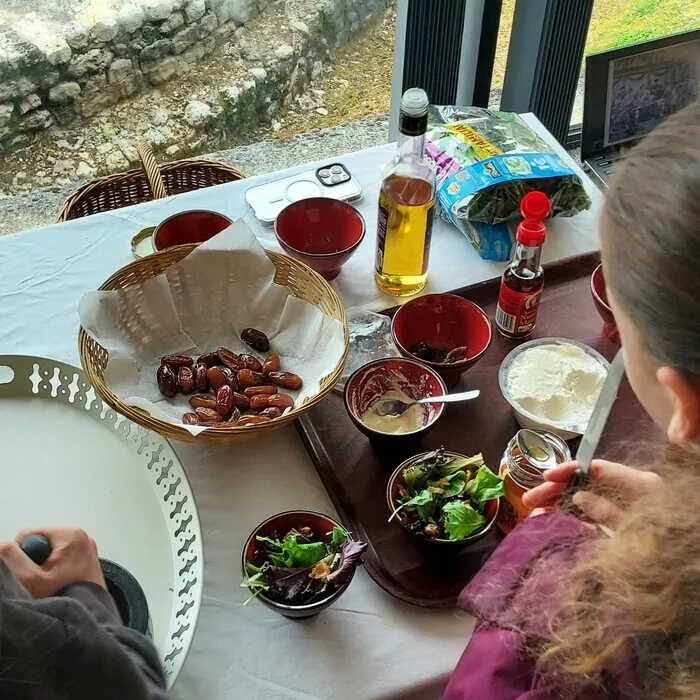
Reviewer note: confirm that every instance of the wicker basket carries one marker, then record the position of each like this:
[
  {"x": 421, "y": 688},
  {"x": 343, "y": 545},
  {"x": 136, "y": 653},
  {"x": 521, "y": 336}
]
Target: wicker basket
[
  {"x": 303, "y": 282},
  {"x": 149, "y": 182}
]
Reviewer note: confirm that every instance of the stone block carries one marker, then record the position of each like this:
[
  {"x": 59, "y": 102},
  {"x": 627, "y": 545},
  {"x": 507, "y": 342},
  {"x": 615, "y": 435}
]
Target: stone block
[
  {"x": 105, "y": 30},
  {"x": 96, "y": 101},
  {"x": 65, "y": 92},
  {"x": 155, "y": 51},
  {"x": 158, "y": 10},
  {"x": 49, "y": 79},
  {"x": 37, "y": 121},
  {"x": 208, "y": 24},
  {"x": 158, "y": 73},
  {"x": 186, "y": 38},
  {"x": 89, "y": 63},
  {"x": 6, "y": 112},
  {"x": 76, "y": 35},
  {"x": 173, "y": 23},
  {"x": 120, "y": 70},
  {"x": 131, "y": 17},
  {"x": 195, "y": 10},
  {"x": 29, "y": 103},
  {"x": 197, "y": 113}
]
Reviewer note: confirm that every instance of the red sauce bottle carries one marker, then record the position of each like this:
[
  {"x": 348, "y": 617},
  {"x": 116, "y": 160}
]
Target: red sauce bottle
[{"x": 523, "y": 280}]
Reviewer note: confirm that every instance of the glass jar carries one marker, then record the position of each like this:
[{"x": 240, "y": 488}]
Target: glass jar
[{"x": 521, "y": 474}]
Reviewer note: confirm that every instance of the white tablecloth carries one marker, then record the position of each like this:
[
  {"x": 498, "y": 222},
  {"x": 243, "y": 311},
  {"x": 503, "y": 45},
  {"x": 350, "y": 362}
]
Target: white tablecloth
[{"x": 369, "y": 645}]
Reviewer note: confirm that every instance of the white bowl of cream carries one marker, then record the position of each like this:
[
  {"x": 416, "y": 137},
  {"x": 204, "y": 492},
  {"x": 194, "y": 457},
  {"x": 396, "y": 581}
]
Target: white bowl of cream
[{"x": 553, "y": 384}]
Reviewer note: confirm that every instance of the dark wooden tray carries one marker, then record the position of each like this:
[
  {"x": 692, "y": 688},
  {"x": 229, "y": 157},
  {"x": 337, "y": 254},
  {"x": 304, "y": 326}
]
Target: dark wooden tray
[{"x": 355, "y": 475}]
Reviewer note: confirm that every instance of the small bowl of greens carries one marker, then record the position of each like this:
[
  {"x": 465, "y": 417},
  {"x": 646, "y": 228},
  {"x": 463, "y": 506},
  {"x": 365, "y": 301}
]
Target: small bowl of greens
[
  {"x": 299, "y": 562},
  {"x": 445, "y": 498}
]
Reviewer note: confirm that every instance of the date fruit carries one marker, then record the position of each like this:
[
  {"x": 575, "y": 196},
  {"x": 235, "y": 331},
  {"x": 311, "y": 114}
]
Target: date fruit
[
  {"x": 271, "y": 364},
  {"x": 253, "y": 420},
  {"x": 224, "y": 400},
  {"x": 203, "y": 401},
  {"x": 190, "y": 419},
  {"x": 185, "y": 380},
  {"x": 252, "y": 363},
  {"x": 230, "y": 377},
  {"x": 208, "y": 415},
  {"x": 167, "y": 381},
  {"x": 285, "y": 380},
  {"x": 281, "y": 401},
  {"x": 256, "y": 339},
  {"x": 259, "y": 402},
  {"x": 230, "y": 359},
  {"x": 241, "y": 401},
  {"x": 209, "y": 359},
  {"x": 258, "y": 390},
  {"x": 247, "y": 378},
  {"x": 201, "y": 382},
  {"x": 457, "y": 355},
  {"x": 216, "y": 378},
  {"x": 271, "y": 412},
  {"x": 177, "y": 360}
]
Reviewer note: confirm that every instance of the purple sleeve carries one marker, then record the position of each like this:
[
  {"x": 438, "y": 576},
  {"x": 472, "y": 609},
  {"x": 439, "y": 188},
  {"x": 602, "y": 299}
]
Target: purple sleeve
[{"x": 520, "y": 579}]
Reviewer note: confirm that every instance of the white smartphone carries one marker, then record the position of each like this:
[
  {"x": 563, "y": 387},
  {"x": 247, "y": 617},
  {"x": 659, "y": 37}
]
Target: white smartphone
[{"x": 333, "y": 180}]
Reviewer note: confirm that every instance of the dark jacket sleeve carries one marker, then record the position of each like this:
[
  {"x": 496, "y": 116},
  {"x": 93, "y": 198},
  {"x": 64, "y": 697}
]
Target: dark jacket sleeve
[{"x": 72, "y": 646}]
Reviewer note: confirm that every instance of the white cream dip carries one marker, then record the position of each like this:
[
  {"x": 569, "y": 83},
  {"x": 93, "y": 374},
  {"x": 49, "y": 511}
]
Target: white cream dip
[{"x": 411, "y": 419}]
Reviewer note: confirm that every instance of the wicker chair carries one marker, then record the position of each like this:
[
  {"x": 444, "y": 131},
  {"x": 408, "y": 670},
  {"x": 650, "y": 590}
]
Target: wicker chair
[{"x": 151, "y": 181}]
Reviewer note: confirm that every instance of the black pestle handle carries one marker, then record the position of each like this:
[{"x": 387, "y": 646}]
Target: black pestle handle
[{"x": 37, "y": 548}]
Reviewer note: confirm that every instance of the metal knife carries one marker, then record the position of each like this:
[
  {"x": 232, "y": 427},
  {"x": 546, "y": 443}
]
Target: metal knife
[{"x": 596, "y": 424}]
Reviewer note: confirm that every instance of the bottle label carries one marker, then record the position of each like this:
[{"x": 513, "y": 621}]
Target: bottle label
[
  {"x": 382, "y": 224},
  {"x": 517, "y": 311}
]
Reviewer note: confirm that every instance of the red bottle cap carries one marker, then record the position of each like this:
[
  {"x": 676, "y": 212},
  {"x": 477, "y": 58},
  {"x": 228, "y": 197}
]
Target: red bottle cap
[{"x": 535, "y": 208}]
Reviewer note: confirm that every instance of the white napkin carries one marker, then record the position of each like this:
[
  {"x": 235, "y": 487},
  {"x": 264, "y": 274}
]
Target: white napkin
[{"x": 198, "y": 305}]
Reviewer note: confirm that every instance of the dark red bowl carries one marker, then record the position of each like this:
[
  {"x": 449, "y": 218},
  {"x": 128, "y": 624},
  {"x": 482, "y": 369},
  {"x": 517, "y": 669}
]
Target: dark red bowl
[
  {"x": 445, "y": 322},
  {"x": 321, "y": 232},
  {"x": 600, "y": 299},
  {"x": 375, "y": 378},
  {"x": 189, "y": 227},
  {"x": 491, "y": 509},
  {"x": 279, "y": 525}
]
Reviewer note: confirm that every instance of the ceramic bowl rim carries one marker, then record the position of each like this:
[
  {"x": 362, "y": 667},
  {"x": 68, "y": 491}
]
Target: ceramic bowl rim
[
  {"x": 322, "y": 256},
  {"x": 473, "y": 537},
  {"x": 460, "y": 364},
  {"x": 182, "y": 213},
  {"x": 510, "y": 357},
  {"x": 430, "y": 370},
  {"x": 307, "y": 607}
]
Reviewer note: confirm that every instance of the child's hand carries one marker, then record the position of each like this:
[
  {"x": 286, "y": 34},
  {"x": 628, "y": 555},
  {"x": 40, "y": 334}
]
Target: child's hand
[
  {"x": 627, "y": 483},
  {"x": 73, "y": 558}
]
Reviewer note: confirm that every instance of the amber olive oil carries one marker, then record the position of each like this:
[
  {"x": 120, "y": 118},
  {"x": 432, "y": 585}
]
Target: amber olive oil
[{"x": 406, "y": 205}]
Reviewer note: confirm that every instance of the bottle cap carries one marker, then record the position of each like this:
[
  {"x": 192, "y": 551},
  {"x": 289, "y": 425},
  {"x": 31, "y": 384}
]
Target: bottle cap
[
  {"x": 535, "y": 208},
  {"x": 414, "y": 112}
]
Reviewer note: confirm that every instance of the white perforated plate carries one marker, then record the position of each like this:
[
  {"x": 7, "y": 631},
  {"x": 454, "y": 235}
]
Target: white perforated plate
[{"x": 69, "y": 459}]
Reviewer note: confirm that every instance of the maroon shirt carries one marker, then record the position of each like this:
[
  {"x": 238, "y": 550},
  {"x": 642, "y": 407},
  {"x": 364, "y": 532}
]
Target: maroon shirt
[{"x": 511, "y": 596}]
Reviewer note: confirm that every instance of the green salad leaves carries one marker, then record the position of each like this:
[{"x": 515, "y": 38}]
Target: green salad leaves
[{"x": 444, "y": 495}]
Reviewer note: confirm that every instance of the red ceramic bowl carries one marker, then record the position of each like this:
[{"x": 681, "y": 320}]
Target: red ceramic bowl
[
  {"x": 279, "y": 525},
  {"x": 600, "y": 299},
  {"x": 392, "y": 494},
  {"x": 445, "y": 322},
  {"x": 321, "y": 232},
  {"x": 188, "y": 227},
  {"x": 372, "y": 380}
]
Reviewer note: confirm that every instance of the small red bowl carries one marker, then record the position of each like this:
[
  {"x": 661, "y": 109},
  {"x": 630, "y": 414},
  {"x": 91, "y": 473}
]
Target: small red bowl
[
  {"x": 321, "y": 232},
  {"x": 445, "y": 322},
  {"x": 188, "y": 227},
  {"x": 491, "y": 509},
  {"x": 279, "y": 525},
  {"x": 600, "y": 299},
  {"x": 375, "y": 378}
]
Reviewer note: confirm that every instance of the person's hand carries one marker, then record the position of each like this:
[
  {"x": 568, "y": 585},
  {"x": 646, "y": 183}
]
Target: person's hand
[
  {"x": 626, "y": 483},
  {"x": 73, "y": 558}
]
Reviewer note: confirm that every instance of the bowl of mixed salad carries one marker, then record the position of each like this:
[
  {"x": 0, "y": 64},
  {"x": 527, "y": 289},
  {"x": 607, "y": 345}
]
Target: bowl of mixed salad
[
  {"x": 445, "y": 498},
  {"x": 299, "y": 562}
]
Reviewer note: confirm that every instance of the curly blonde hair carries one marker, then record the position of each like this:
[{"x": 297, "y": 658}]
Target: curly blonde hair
[{"x": 639, "y": 590}]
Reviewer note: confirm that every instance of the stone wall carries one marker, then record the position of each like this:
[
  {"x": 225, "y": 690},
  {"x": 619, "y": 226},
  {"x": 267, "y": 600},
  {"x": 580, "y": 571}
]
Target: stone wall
[{"x": 76, "y": 71}]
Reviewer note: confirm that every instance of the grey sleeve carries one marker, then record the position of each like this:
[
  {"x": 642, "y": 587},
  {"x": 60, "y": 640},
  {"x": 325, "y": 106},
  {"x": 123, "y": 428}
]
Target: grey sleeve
[{"x": 77, "y": 648}]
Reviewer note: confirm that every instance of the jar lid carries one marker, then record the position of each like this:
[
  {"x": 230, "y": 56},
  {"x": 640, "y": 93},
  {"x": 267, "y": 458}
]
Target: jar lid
[{"x": 141, "y": 244}]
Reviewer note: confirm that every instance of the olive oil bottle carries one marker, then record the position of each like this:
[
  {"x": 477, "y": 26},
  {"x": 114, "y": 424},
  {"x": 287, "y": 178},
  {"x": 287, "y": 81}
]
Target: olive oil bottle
[{"x": 406, "y": 205}]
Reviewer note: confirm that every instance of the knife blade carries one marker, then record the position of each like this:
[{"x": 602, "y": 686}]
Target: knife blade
[{"x": 596, "y": 424}]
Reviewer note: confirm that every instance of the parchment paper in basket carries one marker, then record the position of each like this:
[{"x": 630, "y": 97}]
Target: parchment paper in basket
[{"x": 200, "y": 304}]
